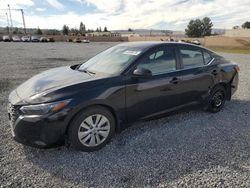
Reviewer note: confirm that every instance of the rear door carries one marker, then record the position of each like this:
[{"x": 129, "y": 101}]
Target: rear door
[{"x": 197, "y": 75}]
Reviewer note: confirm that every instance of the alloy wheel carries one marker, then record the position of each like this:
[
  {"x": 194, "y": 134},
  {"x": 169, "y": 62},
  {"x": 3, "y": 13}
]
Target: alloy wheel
[{"x": 94, "y": 130}]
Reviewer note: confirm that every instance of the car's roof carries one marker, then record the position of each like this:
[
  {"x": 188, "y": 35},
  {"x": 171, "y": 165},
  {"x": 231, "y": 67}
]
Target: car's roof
[{"x": 150, "y": 44}]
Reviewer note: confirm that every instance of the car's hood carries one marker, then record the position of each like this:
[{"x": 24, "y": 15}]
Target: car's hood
[{"x": 51, "y": 80}]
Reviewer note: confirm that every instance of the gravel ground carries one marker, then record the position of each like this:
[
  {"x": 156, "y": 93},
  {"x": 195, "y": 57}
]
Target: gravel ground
[{"x": 188, "y": 149}]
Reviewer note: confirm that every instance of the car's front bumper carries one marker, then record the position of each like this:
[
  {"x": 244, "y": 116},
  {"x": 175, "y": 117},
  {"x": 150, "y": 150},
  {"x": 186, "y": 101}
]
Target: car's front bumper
[{"x": 38, "y": 131}]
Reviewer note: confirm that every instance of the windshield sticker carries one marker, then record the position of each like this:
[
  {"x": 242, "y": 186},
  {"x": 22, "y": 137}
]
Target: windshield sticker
[{"x": 130, "y": 52}]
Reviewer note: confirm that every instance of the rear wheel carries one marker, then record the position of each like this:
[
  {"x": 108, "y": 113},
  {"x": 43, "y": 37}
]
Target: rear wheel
[
  {"x": 91, "y": 129},
  {"x": 217, "y": 99}
]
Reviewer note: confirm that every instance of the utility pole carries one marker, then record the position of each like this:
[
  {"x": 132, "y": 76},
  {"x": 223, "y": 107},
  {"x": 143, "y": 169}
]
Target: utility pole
[
  {"x": 8, "y": 23},
  {"x": 11, "y": 24},
  {"x": 24, "y": 27},
  {"x": 9, "y": 18}
]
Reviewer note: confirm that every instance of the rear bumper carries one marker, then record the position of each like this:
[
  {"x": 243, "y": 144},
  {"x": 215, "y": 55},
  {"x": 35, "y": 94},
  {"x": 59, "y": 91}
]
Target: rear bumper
[{"x": 234, "y": 84}]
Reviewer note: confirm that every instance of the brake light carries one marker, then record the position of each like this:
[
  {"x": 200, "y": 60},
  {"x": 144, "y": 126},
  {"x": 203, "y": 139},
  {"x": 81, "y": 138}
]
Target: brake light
[{"x": 237, "y": 68}]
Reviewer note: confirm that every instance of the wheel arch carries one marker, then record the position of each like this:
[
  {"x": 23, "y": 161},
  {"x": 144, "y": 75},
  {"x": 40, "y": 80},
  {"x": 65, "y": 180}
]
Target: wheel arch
[
  {"x": 109, "y": 108},
  {"x": 227, "y": 87}
]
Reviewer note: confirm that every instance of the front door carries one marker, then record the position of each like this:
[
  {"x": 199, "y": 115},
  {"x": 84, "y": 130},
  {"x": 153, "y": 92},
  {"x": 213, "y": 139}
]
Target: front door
[{"x": 153, "y": 95}]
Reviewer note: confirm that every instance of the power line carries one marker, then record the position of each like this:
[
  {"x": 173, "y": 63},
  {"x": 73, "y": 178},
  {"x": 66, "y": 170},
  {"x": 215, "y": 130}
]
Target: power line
[
  {"x": 24, "y": 27},
  {"x": 8, "y": 23},
  {"x": 11, "y": 24}
]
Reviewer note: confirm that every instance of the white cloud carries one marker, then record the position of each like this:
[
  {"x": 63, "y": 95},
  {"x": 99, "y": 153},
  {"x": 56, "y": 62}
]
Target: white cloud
[
  {"x": 16, "y": 3},
  {"x": 40, "y": 9},
  {"x": 146, "y": 13},
  {"x": 107, "y": 6},
  {"x": 124, "y": 14},
  {"x": 56, "y": 4},
  {"x": 70, "y": 18},
  {"x": 79, "y": 1}
]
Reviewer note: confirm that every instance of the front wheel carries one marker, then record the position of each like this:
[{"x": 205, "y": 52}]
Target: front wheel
[
  {"x": 91, "y": 129},
  {"x": 217, "y": 99}
]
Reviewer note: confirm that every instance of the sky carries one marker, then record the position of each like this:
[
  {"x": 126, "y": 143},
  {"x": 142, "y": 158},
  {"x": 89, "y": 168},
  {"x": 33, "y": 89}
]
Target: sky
[{"x": 124, "y": 14}]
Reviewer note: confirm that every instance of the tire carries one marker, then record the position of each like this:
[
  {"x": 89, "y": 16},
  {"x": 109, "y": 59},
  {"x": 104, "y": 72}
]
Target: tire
[
  {"x": 91, "y": 129},
  {"x": 217, "y": 99}
]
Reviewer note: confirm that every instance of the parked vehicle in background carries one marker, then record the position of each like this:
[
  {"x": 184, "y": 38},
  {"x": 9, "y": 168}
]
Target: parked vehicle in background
[
  {"x": 26, "y": 38},
  {"x": 6, "y": 38},
  {"x": 44, "y": 39},
  {"x": 51, "y": 39},
  {"x": 85, "y": 41},
  {"x": 181, "y": 41},
  {"x": 16, "y": 39},
  {"x": 85, "y": 104},
  {"x": 35, "y": 39},
  {"x": 77, "y": 40},
  {"x": 196, "y": 41}
]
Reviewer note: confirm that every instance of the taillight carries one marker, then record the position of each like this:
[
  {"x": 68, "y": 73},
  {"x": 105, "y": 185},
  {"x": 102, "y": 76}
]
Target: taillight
[{"x": 237, "y": 68}]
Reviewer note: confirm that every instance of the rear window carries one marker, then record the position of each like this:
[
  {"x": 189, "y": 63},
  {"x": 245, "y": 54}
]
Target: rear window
[
  {"x": 207, "y": 57},
  {"x": 191, "y": 57}
]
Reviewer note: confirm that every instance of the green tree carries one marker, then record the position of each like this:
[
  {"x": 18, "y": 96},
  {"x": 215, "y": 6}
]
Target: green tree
[
  {"x": 199, "y": 28},
  {"x": 100, "y": 29},
  {"x": 194, "y": 28},
  {"x": 53, "y": 32},
  {"x": 65, "y": 30},
  {"x": 206, "y": 26},
  {"x": 74, "y": 31},
  {"x": 39, "y": 31},
  {"x": 97, "y": 29},
  {"x": 105, "y": 29},
  {"x": 90, "y": 30},
  {"x": 82, "y": 29},
  {"x": 246, "y": 25},
  {"x": 130, "y": 30}
]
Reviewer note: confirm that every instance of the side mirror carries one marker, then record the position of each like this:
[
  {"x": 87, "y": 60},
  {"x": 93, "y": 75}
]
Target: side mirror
[{"x": 142, "y": 72}]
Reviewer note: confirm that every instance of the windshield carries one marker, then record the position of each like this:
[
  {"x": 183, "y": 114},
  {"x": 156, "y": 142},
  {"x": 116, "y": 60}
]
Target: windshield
[{"x": 111, "y": 61}]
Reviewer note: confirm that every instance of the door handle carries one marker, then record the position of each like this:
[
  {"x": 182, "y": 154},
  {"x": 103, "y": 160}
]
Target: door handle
[{"x": 174, "y": 80}]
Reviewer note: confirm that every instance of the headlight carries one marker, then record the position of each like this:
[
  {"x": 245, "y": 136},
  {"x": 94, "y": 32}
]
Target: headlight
[{"x": 41, "y": 109}]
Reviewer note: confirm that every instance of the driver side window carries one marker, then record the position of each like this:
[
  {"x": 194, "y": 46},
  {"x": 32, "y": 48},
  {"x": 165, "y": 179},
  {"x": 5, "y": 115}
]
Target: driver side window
[{"x": 159, "y": 61}]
